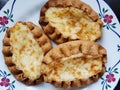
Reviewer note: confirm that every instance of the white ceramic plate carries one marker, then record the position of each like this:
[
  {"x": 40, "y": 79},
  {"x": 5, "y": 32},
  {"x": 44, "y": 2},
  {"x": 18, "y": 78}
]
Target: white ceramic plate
[{"x": 28, "y": 10}]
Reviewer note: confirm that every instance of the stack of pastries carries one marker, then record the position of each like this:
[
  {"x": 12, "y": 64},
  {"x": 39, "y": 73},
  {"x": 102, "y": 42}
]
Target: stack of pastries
[{"x": 77, "y": 60}]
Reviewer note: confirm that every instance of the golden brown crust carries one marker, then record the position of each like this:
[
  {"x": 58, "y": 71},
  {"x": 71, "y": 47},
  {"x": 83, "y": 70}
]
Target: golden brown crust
[
  {"x": 51, "y": 31},
  {"x": 68, "y": 49},
  {"x": 43, "y": 42}
]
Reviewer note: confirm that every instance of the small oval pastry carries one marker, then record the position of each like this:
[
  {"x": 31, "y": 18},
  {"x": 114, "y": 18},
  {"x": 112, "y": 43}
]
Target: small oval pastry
[
  {"x": 66, "y": 20},
  {"x": 74, "y": 64},
  {"x": 24, "y": 47}
]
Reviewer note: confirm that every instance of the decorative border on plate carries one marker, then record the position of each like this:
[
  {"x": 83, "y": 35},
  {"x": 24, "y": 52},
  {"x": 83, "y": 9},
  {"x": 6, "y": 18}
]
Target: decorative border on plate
[
  {"x": 109, "y": 25},
  {"x": 5, "y": 81},
  {"x": 8, "y": 17},
  {"x": 110, "y": 77},
  {"x": 107, "y": 19}
]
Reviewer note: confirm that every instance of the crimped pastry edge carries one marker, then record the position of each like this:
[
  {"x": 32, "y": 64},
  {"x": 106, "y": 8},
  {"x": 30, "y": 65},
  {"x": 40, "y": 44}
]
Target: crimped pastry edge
[
  {"x": 44, "y": 43},
  {"x": 81, "y": 46},
  {"x": 52, "y": 32}
]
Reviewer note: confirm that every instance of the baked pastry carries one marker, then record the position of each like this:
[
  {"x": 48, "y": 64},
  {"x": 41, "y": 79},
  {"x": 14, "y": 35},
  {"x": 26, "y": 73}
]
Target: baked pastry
[
  {"x": 74, "y": 64},
  {"x": 24, "y": 47},
  {"x": 66, "y": 20}
]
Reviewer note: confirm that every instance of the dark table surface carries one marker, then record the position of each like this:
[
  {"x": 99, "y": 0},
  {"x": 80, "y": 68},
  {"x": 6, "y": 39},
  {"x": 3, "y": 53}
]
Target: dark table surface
[{"x": 115, "y": 6}]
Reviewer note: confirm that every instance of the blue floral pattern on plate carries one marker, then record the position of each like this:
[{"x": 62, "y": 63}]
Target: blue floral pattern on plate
[
  {"x": 107, "y": 80},
  {"x": 4, "y": 20},
  {"x": 5, "y": 81},
  {"x": 109, "y": 25}
]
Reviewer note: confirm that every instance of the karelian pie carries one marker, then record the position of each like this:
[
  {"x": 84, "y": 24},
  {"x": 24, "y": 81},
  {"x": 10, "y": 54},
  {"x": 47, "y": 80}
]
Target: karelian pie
[
  {"x": 66, "y": 20},
  {"x": 74, "y": 64},
  {"x": 24, "y": 47}
]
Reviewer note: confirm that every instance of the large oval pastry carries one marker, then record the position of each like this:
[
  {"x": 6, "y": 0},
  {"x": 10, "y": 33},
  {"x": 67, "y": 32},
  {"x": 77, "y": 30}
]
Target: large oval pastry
[
  {"x": 66, "y": 20},
  {"x": 24, "y": 47},
  {"x": 74, "y": 64}
]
